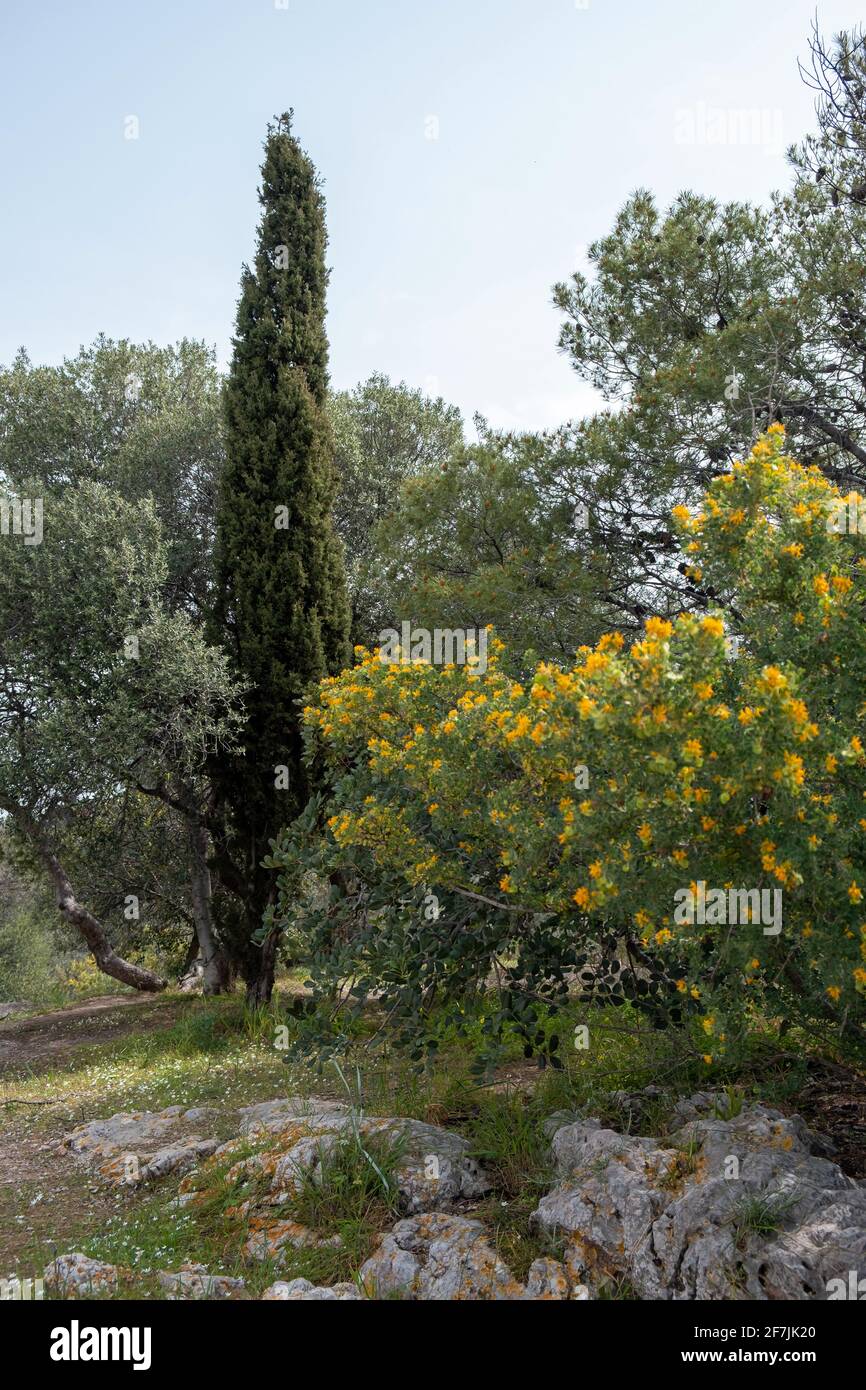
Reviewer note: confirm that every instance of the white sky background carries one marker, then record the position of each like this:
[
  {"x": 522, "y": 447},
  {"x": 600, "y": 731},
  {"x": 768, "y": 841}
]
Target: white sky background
[{"x": 444, "y": 250}]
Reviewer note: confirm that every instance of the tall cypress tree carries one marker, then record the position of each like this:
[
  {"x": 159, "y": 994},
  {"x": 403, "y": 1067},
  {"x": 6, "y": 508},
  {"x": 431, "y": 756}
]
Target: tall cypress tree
[{"x": 280, "y": 604}]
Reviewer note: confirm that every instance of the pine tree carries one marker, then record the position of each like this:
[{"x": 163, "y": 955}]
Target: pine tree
[{"x": 280, "y": 605}]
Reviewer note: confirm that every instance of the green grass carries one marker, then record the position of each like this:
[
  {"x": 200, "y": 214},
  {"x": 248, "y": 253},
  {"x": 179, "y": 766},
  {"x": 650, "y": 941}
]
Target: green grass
[
  {"x": 684, "y": 1165},
  {"x": 356, "y": 1181},
  {"x": 760, "y": 1214},
  {"x": 730, "y": 1104},
  {"x": 616, "y": 1290}
]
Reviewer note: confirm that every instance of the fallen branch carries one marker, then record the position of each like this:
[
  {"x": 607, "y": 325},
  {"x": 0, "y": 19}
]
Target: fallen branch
[{"x": 57, "y": 1100}]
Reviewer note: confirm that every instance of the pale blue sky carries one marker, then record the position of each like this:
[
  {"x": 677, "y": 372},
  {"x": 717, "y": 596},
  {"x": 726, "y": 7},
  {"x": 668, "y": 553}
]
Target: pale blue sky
[{"x": 443, "y": 250}]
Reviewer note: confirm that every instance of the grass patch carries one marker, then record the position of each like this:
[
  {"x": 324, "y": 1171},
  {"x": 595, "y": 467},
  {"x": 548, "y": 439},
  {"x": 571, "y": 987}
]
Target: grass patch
[
  {"x": 760, "y": 1214},
  {"x": 506, "y": 1136},
  {"x": 684, "y": 1165},
  {"x": 354, "y": 1182}
]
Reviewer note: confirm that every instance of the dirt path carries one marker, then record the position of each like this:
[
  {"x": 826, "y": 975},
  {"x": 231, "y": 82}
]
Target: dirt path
[
  {"x": 40, "y": 1039},
  {"x": 42, "y": 1196}
]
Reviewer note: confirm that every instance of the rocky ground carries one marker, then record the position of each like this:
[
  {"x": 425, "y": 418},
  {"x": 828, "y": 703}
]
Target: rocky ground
[{"x": 736, "y": 1201}]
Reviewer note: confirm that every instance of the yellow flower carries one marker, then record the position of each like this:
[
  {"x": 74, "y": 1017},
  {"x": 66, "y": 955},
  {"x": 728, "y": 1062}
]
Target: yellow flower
[
  {"x": 798, "y": 711},
  {"x": 794, "y": 764},
  {"x": 855, "y": 893},
  {"x": 820, "y": 585},
  {"x": 834, "y": 991},
  {"x": 581, "y": 897},
  {"x": 595, "y": 869},
  {"x": 714, "y": 627},
  {"x": 658, "y": 627},
  {"x": 795, "y": 550},
  {"x": 773, "y": 679}
]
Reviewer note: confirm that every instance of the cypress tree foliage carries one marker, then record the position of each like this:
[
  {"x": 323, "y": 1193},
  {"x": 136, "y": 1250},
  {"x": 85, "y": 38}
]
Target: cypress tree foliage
[{"x": 280, "y": 605}]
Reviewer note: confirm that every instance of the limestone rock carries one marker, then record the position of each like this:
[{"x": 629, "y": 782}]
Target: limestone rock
[
  {"x": 268, "y": 1239},
  {"x": 77, "y": 1276},
  {"x": 434, "y": 1170},
  {"x": 276, "y": 1116},
  {"x": 131, "y": 1170},
  {"x": 301, "y": 1290},
  {"x": 195, "y": 1281},
  {"x": 140, "y": 1147},
  {"x": 549, "y": 1279},
  {"x": 739, "y": 1208},
  {"x": 439, "y": 1256}
]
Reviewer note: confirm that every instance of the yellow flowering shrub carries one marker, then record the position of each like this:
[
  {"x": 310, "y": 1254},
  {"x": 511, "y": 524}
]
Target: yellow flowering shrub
[{"x": 577, "y": 806}]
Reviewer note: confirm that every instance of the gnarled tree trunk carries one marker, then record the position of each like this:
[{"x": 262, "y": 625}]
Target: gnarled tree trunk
[
  {"x": 260, "y": 985},
  {"x": 89, "y": 927},
  {"x": 217, "y": 974}
]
